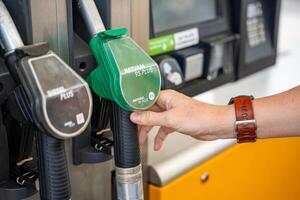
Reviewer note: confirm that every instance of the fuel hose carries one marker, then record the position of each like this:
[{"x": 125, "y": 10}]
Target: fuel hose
[
  {"x": 127, "y": 76},
  {"x": 53, "y": 172},
  {"x": 54, "y": 180},
  {"x": 129, "y": 181}
]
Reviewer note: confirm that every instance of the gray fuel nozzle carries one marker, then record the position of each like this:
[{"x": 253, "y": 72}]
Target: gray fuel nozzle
[{"x": 53, "y": 97}]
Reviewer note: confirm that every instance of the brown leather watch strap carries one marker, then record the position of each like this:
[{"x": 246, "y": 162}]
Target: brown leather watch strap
[{"x": 245, "y": 125}]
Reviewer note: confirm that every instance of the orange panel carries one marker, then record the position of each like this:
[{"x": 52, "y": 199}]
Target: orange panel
[{"x": 265, "y": 170}]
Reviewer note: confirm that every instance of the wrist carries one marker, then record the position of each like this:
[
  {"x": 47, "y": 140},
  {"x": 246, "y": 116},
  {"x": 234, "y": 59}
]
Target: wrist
[{"x": 225, "y": 122}]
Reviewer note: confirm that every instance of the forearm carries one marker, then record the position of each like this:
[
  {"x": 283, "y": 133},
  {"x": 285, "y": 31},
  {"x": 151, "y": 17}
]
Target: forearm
[{"x": 276, "y": 116}]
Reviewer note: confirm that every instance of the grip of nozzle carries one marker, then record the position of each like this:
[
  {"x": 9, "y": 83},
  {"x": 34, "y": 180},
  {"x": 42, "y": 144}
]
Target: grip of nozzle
[
  {"x": 53, "y": 171},
  {"x": 91, "y": 16},
  {"x": 126, "y": 148},
  {"x": 9, "y": 35},
  {"x": 129, "y": 178}
]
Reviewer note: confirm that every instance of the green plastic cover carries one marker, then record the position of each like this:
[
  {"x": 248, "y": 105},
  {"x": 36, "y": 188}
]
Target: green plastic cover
[{"x": 125, "y": 74}]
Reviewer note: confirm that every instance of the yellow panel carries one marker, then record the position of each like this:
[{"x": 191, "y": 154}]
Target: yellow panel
[{"x": 265, "y": 170}]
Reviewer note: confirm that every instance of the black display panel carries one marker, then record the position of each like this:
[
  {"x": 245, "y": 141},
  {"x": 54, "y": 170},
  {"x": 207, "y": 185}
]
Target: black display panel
[
  {"x": 170, "y": 14},
  {"x": 257, "y": 22}
]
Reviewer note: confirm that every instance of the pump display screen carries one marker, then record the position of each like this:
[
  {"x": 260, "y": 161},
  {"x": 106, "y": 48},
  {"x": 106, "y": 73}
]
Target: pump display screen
[{"x": 172, "y": 14}]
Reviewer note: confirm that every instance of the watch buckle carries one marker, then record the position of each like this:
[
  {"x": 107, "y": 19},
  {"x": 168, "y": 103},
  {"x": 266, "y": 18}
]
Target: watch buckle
[{"x": 245, "y": 123}]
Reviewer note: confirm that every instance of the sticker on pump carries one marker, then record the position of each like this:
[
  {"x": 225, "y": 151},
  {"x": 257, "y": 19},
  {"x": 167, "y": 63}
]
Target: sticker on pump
[{"x": 186, "y": 38}]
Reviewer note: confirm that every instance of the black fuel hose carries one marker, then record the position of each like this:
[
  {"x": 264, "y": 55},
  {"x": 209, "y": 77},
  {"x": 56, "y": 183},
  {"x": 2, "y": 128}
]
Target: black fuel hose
[
  {"x": 128, "y": 170},
  {"x": 54, "y": 180},
  {"x": 53, "y": 172},
  {"x": 54, "y": 183},
  {"x": 126, "y": 148}
]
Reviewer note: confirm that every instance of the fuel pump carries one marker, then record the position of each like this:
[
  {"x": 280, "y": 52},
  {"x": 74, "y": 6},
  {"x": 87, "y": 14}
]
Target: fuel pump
[
  {"x": 52, "y": 97},
  {"x": 129, "y": 77}
]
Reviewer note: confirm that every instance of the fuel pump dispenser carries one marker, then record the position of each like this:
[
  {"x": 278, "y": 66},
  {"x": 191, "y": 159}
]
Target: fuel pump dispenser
[
  {"x": 51, "y": 97},
  {"x": 127, "y": 76}
]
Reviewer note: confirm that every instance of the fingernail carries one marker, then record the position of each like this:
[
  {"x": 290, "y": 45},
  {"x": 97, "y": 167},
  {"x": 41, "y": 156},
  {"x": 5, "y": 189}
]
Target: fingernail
[
  {"x": 141, "y": 140},
  {"x": 135, "y": 117},
  {"x": 156, "y": 147}
]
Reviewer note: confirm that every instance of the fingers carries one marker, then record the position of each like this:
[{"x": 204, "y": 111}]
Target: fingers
[
  {"x": 143, "y": 133},
  {"x": 155, "y": 115},
  {"x": 155, "y": 108},
  {"x": 164, "y": 99},
  {"x": 149, "y": 118},
  {"x": 160, "y": 137}
]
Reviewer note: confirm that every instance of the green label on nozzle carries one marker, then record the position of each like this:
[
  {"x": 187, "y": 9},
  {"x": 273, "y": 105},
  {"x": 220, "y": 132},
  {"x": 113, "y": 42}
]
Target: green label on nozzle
[{"x": 139, "y": 74}]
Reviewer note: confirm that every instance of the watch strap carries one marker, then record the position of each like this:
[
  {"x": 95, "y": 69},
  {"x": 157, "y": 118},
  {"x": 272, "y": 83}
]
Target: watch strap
[{"x": 245, "y": 124}]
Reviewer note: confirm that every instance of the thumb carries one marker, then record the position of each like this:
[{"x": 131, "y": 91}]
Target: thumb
[{"x": 148, "y": 118}]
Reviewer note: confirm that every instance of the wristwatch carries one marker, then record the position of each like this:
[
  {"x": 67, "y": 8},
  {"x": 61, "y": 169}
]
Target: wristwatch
[{"x": 245, "y": 124}]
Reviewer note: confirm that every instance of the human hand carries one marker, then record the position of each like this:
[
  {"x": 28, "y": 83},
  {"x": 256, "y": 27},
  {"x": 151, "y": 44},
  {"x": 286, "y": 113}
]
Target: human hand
[{"x": 174, "y": 111}]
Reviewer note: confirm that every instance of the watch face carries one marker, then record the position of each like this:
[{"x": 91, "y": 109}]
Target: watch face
[{"x": 62, "y": 98}]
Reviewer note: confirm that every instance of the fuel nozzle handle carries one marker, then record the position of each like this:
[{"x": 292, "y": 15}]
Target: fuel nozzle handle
[
  {"x": 91, "y": 16},
  {"x": 54, "y": 179},
  {"x": 9, "y": 35},
  {"x": 129, "y": 181},
  {"x": 53, "y": 172}
]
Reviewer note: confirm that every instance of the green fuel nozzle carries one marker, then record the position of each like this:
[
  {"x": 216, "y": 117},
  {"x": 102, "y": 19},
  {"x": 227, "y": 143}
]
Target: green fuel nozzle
[
  {"x": 125, "y": 74},
  {"x": 128, "y": 76}
]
